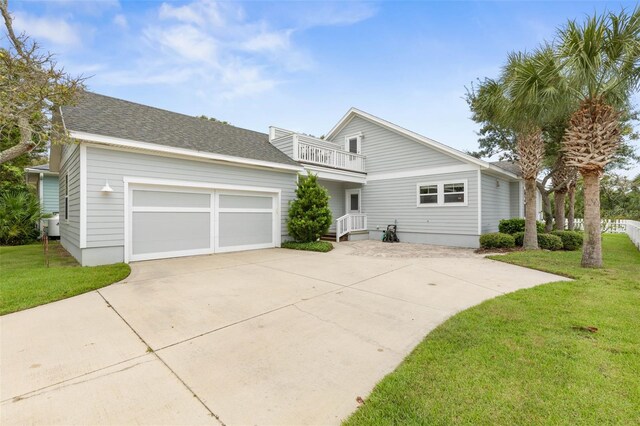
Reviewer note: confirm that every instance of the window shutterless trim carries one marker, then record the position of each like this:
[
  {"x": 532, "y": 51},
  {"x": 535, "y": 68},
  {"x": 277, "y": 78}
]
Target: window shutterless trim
[{"x": 440, "y": 193}]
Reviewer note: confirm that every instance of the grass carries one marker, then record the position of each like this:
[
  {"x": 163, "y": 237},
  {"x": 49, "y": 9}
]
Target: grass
[
  {"x": 321, "y": 246},
  {"x": 530, "y": 357},
  {"x": 26, "y": 282}
]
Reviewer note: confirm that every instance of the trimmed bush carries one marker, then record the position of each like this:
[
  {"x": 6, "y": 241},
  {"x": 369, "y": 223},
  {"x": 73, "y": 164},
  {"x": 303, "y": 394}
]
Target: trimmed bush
[
  {"x": 512, "y": 226},
  {"x": 571, "y": 240},
  {"x": 549, "y": 242},
  {"x": 321, "y": 246},
  {"x": 519, "y": 238},
  {"x": 19, "y": 216},
  {"x": 309, "y": 214},
  {"x": 496, "y": 240}
]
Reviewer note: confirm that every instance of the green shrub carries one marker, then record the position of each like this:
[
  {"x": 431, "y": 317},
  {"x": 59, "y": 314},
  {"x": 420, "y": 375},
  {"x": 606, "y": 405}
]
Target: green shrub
[
  {"x": 516, "y": 224},
  {"x": 519, "y": 238},
  {"x": 19, "y": 216},
  {"x": 321, "y": 246},
  {"x": 497, "y": 240},
  {"x": 309, "y": 214},
  {"x": 549, "y": 242},
  {"x": 571, "y": 240}
]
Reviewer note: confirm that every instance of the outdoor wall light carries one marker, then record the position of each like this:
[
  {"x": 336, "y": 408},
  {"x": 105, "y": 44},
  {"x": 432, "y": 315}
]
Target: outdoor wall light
[{"x": 106, "y": 188}]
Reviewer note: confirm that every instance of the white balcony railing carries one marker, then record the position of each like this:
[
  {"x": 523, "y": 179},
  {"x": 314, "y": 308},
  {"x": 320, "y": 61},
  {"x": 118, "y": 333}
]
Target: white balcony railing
[
  {"x": 324, "y": 154},
  {"x": 349, "y": 223}
]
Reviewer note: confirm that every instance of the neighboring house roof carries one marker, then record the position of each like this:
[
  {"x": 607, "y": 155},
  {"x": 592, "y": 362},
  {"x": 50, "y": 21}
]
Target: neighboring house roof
[
  {"x": 354, "y": 112},
  {"x": 510, "y": 166},
  {"x": 116, "y": 118},
  {"x": 42, "y": 168}
]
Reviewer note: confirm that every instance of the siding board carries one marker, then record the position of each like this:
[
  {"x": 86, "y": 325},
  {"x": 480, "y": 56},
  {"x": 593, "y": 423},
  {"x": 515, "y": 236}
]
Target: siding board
[
  {"x": 387, "y": 201},
  {"x": 496, "y": 202},
  {"x": 70, "y": 229},
  {"x": 105, "y": 213},
  {"x": 389, "y": 151}
]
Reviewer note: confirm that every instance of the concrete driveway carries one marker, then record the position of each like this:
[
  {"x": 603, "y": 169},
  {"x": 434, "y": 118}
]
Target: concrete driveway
[{"x": 263, "y": 337}]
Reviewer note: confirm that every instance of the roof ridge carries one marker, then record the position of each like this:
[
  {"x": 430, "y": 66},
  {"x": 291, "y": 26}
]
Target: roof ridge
[{"x": 171, "y": 112}]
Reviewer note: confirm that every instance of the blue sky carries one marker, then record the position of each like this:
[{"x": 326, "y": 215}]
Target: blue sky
[{"x": 298, "y": 65}]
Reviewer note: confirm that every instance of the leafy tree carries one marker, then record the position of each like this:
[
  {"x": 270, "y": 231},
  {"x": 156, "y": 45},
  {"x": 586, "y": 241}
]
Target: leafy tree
[
  {"x": 514, "y": 117},
  {"x": 12, "y": 176},
  {"x": 31, "y": 88},
  {"x": 309, "y": 214},
  {"x": 215, "y": 120},
  {"x": 600, "y": 62}
]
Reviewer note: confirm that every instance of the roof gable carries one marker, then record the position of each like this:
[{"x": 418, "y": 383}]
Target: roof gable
[{"x": 354, "y": 112}]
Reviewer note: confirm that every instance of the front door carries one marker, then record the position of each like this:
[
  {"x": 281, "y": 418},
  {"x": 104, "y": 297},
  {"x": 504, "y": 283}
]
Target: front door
[{"x": 353, "y": 201}]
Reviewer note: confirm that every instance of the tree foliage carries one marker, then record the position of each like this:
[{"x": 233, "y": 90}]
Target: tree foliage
[
  {"x": 32, "y": 86},
  {"x": 19, "y": 215},
  {"x": 309, "y": 214}
]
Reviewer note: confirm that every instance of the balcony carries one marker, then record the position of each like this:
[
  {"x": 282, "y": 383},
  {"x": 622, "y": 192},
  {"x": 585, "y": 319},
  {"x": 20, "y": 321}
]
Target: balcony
[{"x": 310, "y": 150}]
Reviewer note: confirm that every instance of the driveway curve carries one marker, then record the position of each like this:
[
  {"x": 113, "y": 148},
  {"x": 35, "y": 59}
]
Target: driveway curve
[{"x": 260, "y": 337}]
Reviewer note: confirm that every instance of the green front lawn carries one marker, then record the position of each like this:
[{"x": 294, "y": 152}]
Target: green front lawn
[
  {"x": 561, "y": 353},
  {"x": 26, "y": 282}
]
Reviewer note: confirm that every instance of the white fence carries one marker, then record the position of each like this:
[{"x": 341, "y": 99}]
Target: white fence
[{"x": 619, "y": 226}]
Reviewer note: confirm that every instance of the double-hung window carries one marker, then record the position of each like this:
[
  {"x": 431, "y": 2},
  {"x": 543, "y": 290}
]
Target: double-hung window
[{"x": 438, "y": 194}]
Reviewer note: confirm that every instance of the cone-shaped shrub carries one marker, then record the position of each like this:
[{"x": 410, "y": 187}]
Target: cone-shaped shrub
[{"x": 309, "y": 214}]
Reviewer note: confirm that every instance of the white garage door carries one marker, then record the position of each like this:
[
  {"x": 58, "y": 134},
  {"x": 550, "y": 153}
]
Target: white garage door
[{"x": 171, "y": 222}]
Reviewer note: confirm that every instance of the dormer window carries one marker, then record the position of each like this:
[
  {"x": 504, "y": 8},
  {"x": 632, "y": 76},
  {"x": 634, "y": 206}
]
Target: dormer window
[{"x": 353, "y": 143}]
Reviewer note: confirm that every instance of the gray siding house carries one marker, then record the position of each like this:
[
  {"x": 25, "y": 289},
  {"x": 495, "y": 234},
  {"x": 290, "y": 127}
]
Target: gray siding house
[
  {"x": 142, "y": 183},
  {"x": 46, "y": 185}
]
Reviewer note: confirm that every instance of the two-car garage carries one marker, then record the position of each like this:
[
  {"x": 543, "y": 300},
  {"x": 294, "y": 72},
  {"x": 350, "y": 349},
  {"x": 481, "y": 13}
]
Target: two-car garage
[{"x": 164, "y": 221}]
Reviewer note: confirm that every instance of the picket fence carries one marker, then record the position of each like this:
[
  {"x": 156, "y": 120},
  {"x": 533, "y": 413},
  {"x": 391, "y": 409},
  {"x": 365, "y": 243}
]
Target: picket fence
[{"x": 618, "y": 226}]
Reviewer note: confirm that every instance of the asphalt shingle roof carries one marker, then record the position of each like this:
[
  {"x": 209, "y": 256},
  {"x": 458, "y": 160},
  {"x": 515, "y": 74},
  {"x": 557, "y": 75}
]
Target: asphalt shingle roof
[
  {"x": 107, "y": 116},
  {"x": 510, "y": 166}
]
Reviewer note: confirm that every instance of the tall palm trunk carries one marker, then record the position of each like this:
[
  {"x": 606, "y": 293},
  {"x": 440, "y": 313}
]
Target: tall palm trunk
[
  {"x": 558, "y": 200},
  {"x": 531, "y": 151},
  {"x": 572, "y": 207},
  {"x": 592, "y": 251},
  {"x": 591, "y": 140},
  {"x": 530, "y": 226}
]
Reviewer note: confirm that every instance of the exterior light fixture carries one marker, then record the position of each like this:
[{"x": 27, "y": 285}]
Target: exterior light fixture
[{"x": 106, "y": 188}]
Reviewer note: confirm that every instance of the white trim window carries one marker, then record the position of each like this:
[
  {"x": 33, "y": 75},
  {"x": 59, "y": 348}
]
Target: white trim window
[
  {"x": 353, "y": 143},
  {"x": 66, "y": 197},
  {"x": 442, "y": 194}
]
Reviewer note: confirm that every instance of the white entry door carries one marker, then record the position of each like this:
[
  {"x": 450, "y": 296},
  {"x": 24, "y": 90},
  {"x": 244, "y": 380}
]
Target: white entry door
[{"x": 353, "y": 201}]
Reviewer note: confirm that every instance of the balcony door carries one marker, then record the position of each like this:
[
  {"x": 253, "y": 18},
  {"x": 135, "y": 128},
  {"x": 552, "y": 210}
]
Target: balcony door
[{"x": 353, "y": 201}]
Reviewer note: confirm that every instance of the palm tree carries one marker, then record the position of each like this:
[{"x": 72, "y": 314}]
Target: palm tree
[
  {"x": 562, "y": 178},
  {"x": 600, "y": 60},
  {"x": 523, "y": 99}
]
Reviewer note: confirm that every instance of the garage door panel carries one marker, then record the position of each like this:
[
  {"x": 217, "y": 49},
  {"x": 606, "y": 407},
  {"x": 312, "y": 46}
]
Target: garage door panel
[
  {"x": 168, "y": 199},
  {"x": 245, "y": 202},
  {"x": 158, "y": 232},
  {"x": 245, "y": 229}
]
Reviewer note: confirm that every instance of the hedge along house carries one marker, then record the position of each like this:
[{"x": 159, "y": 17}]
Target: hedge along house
[{"x": 144, "y": 183}]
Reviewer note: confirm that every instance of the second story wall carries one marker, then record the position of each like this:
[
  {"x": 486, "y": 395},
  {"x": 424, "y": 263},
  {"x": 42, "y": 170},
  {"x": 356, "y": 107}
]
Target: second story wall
[{"x": 388, "y": 151}]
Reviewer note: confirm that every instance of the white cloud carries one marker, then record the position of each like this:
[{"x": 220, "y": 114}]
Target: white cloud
[
  {"x": 121, "y": 21},
  {"x": 186, "y": 42},
  {"x": 54, "y": 30},
  {"x": 201, "y": 13},
  {"x": 223, "y": 50},
  {"x": 269, "y": 41}
]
